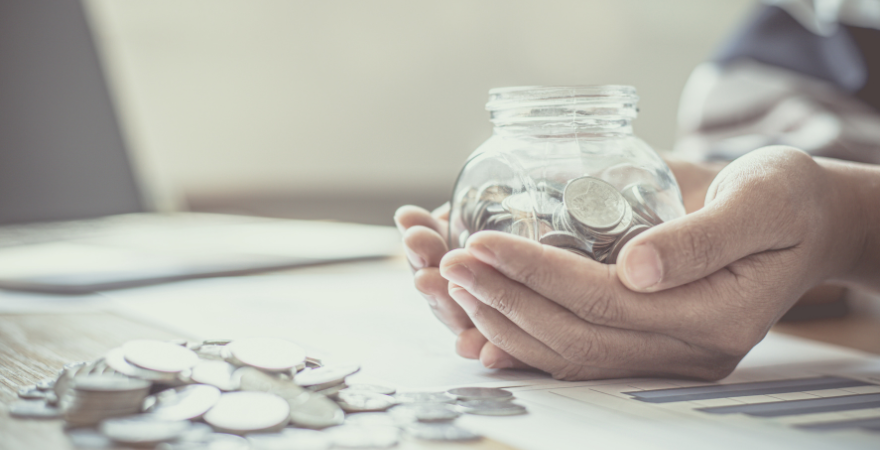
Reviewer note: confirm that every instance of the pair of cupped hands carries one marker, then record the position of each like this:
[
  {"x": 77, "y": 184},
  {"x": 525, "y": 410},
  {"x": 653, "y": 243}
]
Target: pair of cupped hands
[{"x": 689, "y": 297}]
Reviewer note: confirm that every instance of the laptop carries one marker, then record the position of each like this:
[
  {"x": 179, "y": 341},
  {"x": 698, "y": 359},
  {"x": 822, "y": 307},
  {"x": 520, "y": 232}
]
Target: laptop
[{"x": 78, "y": 214}]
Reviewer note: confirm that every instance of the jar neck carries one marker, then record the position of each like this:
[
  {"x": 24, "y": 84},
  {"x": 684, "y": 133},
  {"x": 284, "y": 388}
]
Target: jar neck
[{"x": 563, "y": 111}]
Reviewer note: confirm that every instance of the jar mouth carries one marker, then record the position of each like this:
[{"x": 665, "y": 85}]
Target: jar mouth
[{"x": 600, "y": 106}]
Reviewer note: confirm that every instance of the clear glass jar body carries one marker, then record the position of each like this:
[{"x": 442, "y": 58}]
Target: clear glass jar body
[{"x": 564, "y": 168}]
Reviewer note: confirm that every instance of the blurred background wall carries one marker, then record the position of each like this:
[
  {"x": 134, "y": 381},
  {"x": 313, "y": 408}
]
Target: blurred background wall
[{"x": 346, "y": 109}]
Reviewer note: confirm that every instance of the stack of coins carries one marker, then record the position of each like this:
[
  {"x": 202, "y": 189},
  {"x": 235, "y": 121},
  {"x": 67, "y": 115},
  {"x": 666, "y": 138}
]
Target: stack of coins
[
  {"x": 255, "y": 393},
  {"x": 588, "y": 216}
]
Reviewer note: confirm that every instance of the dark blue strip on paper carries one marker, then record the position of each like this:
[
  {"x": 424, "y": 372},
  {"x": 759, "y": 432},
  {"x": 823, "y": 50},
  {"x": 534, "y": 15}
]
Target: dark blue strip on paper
[
  {"x": 743, "y": 389},
  {"x": 869, "y": 424},
  {"x": 798, "y": 407}
]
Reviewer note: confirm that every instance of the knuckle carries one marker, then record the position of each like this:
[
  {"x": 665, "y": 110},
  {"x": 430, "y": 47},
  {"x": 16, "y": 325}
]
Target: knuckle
[
  {"x": 698, "y": 249},
  {"x": 504, "y": 300},
  {"x": 530, "y": 273},
  {"x": 598, "y": 306}
]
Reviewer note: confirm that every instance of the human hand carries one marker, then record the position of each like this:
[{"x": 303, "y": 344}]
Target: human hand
[
  {"x": 689, "y": 297},
  {"x": 424, "y": 241}
]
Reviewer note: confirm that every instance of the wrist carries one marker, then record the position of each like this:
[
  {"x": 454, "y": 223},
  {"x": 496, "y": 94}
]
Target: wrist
[{"x": 854, "y": 217}]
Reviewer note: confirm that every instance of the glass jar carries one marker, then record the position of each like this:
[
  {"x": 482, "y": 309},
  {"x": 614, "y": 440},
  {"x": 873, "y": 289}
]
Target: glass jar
[{"x": 564, "y": 168}]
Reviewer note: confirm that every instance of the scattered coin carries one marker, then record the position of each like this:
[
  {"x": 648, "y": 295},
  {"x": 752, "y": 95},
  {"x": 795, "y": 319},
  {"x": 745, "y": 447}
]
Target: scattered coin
[
  {"x": 373, "y": 418},
  {"x": 185, "y": 403},
  {"x": 88, "y": 438},
  {"x": 441, "y": 432},
  {"x": 116, "y": 359},
  {"x": 480, "y": 393},
  {"x": 424, "y": 397},
  {"x": 273, "y": 354},
  {"x": 327, "y": 375},
  {"x": 34, "y": 409},
  {"x": 159, "y": 356},
  {"x": 142, "y": 430},
  {"x": 424, "y": 412},
  {"x": 315, "y": 411},
  {"x": 31, "y": 393},
  {"x": 491, "y": 408},
  {"x": 354, "y": 401},
  {"x": 372, "y": 388},
  {"x": 215, "y": 373},
  {"x": 290, "y": 439},
  {"x": 247, "y": 412},
  {"x": 46, "y": 384},
  {"x": 364, "y": 436}
]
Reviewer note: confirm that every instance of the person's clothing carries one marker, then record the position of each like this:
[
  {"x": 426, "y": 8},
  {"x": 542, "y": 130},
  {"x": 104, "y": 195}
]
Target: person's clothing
[{"x": 800, "y": 73}]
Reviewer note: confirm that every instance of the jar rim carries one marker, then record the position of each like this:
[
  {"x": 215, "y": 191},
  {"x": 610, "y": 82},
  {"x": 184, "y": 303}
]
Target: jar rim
[{"x": 518, "y": 96}]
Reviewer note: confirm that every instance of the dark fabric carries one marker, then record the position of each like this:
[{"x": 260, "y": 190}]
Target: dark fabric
[
  {"x": 772, "y": 36},
  {"x": 868, "y": 41}
]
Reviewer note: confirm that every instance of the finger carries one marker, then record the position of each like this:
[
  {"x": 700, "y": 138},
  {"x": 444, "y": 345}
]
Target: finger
[
  {"x": 470, "y": 343},
  {"x": 576, "y": 340},
  {"x": 423, "y": 247},
  {"x": 736, "y": 223},
  {"x": 435, "y": 289},
  {"x": 590, "y": 290},
  {"x": 508, "y": 337},
  {"x": 442, "y": 212},
  {"x": 408, "y": 216},
  {"x": 493, "y": 357}
]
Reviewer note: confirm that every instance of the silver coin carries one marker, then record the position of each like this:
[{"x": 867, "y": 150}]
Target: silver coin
[
  {"x": 253, "y": 379},
  {"x": 372, "y": 418},
  {"x": 563, "y": 239},
  {"x": 331, "y": 391},
  {"x": 34, "y": 409},
  {"x": 142, "y": 430},
  {"x": 109, "y": 383},
  {"x": 312, "y": 363},
  {"x": 215, "y": 373},
  {"x": 364, "y": 436},
  {"x": 495, "y": 193},
  {"x": 246, "y": 412},
  {"x": 46, "y": 384},
  {"x": 499, "y": 222},
  {"x": 325, "y": 375},
  {"x": 594, "y": 203},
  {"x": 491, "y": 408},
  {"x": 216, "y": 341},
  {"x": 620, "y": 243},
  {"x": 641, "y": 197},
  {"x": 88, "y": 438},
  {"x": 185, "y": 403},
  {"x": 480, "y": 393},
  {"x": 447, "y": 432},
  {"x": 115, "y": 358},
  {"x": 423, "y": 397},
  {"x": 272, "y": 354},
  {"x": 372, "y": 388},
  {"x": 463, "y": 237},
  {"x": 159, "y": 356},
  {"x": 354, "y": 401},
  {"x": 212, "y": 441},
  {"x": 424, "y": 412},
  {"x": 31, "y": 393},
  {"x": 315, "y": 411},
  {"x": 290, "y": 438}
]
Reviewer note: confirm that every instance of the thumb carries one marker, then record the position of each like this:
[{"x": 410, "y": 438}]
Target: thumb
[{"x": 696, "y": 245}]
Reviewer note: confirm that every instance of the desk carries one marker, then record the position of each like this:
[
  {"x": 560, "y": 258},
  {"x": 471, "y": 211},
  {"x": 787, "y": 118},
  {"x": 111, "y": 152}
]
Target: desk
[{"x": 37, "y": 345}]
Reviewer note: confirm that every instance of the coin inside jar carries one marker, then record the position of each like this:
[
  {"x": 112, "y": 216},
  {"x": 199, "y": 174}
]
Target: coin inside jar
[{"x": 594, "y": 203}]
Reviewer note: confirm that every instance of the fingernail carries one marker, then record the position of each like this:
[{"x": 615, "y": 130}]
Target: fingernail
[
  {"x": 458, "y": 274},
  {"x": 468, "y": 302},
  {"x": 399, "y": 226},
  {"x": 415, "y": 260},
  {"x": 483, "y": 253},
  {"x": 643, "y": 267}
]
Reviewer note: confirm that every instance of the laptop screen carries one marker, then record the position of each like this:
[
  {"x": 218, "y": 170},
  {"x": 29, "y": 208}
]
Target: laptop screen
[{"x": 62, "y": 155}]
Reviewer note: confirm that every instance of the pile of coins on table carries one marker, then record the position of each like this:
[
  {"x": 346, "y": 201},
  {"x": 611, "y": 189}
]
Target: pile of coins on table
[
  {"x": 587, "y": 216},
  {"x": 254, "y": 393}
]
